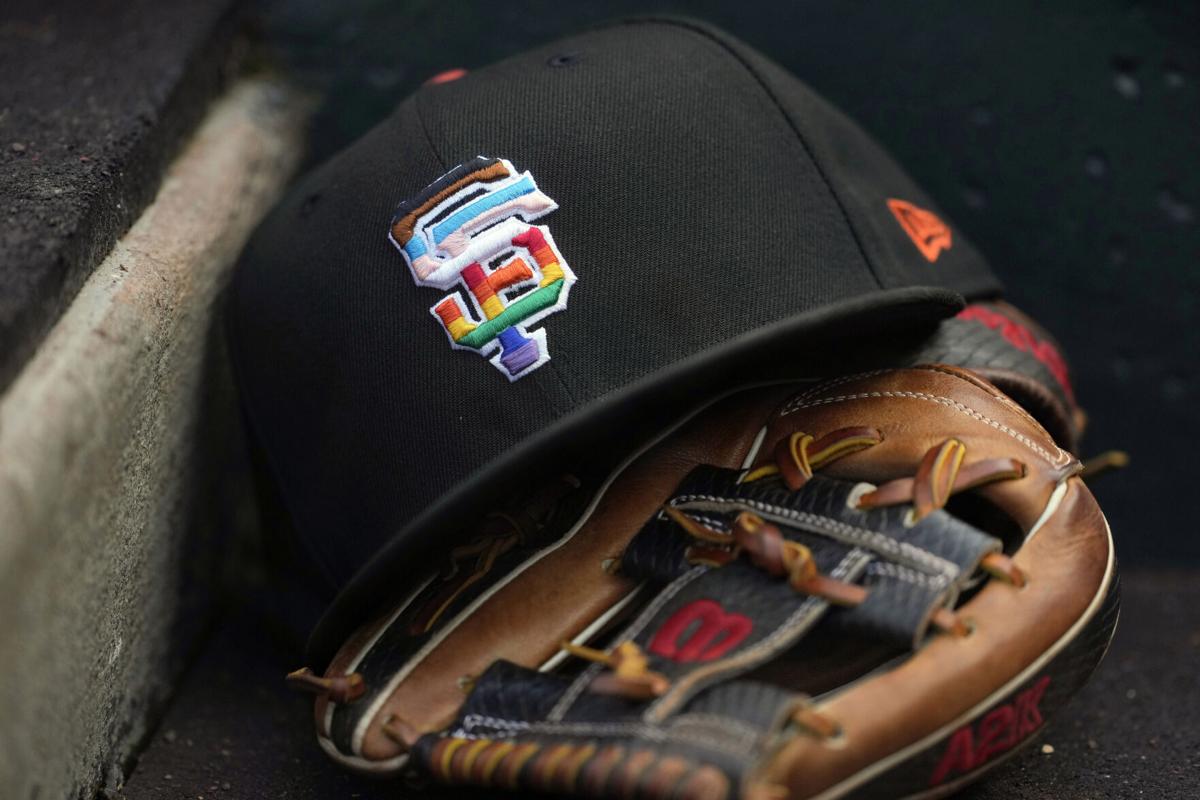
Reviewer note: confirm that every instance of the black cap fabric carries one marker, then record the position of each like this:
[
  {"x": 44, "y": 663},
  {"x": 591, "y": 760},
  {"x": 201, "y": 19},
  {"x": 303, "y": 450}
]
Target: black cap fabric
[{"x": 700, "y": 205}]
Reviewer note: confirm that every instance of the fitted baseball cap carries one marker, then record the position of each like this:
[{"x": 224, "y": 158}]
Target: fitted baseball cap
[{"x": 536, "y": 260}]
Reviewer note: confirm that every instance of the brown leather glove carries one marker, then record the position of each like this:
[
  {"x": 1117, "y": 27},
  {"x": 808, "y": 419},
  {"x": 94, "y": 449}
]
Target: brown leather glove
[{"x": 876, "y": 585}]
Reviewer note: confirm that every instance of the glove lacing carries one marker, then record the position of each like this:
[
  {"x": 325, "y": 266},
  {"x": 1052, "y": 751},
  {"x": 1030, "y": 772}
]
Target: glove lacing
[{"x": 940, "y": 475}]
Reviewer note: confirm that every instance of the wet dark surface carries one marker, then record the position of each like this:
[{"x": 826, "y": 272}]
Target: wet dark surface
[
  {"x": 234, "y": 731},
  {"x": 94, "y": 100}
]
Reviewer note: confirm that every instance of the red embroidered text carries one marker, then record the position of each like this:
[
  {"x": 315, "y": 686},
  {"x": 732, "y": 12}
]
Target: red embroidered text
[
  {"x": 1022, "y": 338},
  {"x": 1002, "y": 729}
]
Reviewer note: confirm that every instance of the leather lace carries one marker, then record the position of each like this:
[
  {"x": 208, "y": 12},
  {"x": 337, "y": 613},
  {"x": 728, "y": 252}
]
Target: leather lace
[{"x": 942, "y": 472}]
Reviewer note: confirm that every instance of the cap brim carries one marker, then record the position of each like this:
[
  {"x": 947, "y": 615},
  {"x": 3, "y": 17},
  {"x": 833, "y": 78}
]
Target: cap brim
[{"x": 853, "y": 334}]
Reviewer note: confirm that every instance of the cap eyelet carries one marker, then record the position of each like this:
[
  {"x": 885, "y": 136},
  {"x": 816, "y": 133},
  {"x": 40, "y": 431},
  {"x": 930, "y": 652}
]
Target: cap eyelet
[
  {"x": 563, "y": 60},
  {"x": 310, "y": 204}
]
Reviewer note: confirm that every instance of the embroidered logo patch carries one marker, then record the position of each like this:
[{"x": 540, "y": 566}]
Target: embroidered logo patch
[
  {"x": 470, "y": 230},
  {"x": 700, "y": 631},
  {"x": 928, "y": 233}
]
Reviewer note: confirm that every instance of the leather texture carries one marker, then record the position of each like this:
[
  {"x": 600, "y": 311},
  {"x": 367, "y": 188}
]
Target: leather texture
[
  {"x": 531, "y": 610},
  {"x": 1001, "y": 343},
  {"x": 487, "y": 697}
]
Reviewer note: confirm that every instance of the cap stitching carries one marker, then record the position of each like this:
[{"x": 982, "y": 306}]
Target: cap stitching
[
  {"x": 570, "y": 395},
  {"x": 417, "y": 100}
]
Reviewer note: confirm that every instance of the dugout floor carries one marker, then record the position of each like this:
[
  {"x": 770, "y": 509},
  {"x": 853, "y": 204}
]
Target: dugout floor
[{"x": 234, "y": 731}]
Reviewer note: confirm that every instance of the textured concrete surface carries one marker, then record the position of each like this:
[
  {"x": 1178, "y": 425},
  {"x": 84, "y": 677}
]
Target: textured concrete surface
[
  {"x": 234, "y": 731},
  {"x": 95, "y": 99},
  {"x": 109, "y": 441}
]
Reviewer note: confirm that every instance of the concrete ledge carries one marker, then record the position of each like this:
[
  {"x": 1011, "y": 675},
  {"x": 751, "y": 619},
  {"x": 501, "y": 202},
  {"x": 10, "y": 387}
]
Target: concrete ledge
[
  {"x": 95, "y": 102},
  {"x": 106, "y": 447}
]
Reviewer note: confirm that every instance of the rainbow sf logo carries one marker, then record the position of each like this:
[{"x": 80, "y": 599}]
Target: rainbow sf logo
[{"x": 469, "y": 230}]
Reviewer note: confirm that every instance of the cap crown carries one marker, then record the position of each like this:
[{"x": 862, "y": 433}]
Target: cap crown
[{"x": 707, "y": 202}]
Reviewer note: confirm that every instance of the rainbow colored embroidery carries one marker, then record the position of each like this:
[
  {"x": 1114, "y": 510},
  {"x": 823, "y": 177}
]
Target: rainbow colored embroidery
[{"x": 471, "y": 226}]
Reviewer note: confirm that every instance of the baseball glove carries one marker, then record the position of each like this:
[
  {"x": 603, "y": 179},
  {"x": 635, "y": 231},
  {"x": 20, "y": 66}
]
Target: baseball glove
[{"x": 878, "y": 585}]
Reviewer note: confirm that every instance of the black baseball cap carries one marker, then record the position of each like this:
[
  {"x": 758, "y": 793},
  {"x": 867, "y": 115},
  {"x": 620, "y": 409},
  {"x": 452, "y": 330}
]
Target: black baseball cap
[{"x": 541, "y": 257}]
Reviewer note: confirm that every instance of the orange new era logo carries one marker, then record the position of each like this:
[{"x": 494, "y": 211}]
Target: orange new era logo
[{"x": 928, "y": 233}]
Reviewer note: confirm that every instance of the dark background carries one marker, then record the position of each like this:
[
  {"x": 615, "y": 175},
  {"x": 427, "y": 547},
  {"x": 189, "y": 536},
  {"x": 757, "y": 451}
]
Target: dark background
[{"x": 1063, "y": 138}]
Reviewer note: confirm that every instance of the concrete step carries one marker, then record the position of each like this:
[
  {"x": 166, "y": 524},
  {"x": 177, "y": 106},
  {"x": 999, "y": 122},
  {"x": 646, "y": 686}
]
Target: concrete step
[
  {"x": 94, "y": 104},
  {"x": 112, "y": 437}
]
